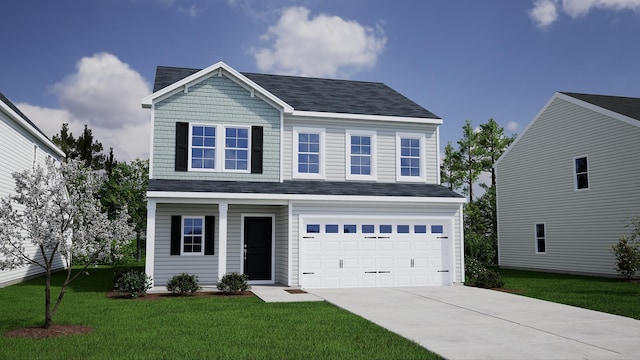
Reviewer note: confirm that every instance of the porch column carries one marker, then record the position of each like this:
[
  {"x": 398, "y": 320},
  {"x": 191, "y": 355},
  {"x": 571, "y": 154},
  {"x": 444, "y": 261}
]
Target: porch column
[
  {"x": 223, "y": 207},
  {"x": 151, "y": 238}
]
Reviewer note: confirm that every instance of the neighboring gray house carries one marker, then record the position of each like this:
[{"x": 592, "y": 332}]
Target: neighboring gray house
[
  {"x": 298, "y": 181},
  {"x": 22, "y": 146},
  {"x": 567, "y": 183}
]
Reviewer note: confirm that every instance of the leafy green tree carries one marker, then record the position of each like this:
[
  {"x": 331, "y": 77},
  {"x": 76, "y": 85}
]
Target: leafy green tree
[
  {"x": 451, "y": 167},
  {"x": 471, "y": 158}
]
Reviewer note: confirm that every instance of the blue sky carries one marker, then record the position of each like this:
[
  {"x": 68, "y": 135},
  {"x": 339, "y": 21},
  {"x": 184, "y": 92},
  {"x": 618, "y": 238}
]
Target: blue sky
[{"x": 93, "y": 61}]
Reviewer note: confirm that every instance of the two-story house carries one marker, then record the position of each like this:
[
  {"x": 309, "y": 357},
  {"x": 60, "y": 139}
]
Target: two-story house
[
  {"x": 305, "y": 182},
  {"x": 23, "y": 146}
]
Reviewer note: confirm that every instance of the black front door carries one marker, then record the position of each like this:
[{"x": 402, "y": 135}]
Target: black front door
[{"x": 257, "y": 247}]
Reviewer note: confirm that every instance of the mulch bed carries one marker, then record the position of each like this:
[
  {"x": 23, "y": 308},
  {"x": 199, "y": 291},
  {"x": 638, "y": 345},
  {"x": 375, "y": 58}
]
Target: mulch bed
[
  {"x": 295, "y": 291},
  {"x": 155, "y": 296},
  {"x": 54, "y": 330}
]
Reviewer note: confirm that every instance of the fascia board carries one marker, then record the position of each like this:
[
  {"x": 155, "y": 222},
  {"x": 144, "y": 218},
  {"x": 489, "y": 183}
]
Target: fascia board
[
  {"x": 25, "y": 124},
  {"x": 331, "y": 115}
]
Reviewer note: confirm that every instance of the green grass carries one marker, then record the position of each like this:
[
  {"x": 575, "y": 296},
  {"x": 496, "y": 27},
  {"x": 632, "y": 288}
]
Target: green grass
[
  {"x": 191, "y": 327},
  {"x": 612, "y": 296}
]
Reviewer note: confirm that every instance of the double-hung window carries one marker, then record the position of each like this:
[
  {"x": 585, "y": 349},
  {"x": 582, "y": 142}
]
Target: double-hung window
[
  {"x": 361, "y": 155},
  {"x": 203, "y": 147},
  {"x": 236, "y": 148},
  {"x": 541, "y": 239},
  {"x": 581, "y": 177},
  {"x": 193, "y": 235},
  {"x": 410, "y": 158},
  {"x": 308, "y": 153}
]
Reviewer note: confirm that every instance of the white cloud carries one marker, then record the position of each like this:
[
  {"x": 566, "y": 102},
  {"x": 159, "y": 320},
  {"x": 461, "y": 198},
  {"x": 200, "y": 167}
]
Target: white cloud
[
  {"x": 321, "y": 46},
  {"x": 545, "y": 12},
  {"x": 192, "y": 10},
  {"x": 513, "y": 126},
  {"x": 105, "y": 94}
]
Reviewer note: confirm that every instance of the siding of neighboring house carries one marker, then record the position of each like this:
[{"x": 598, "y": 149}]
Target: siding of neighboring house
[
  {"x": 215, "y": 100},
  {"x": 19, "y": 151},
  {"x": 536, "y": 185},
  {"x": 335, "y": 136}
]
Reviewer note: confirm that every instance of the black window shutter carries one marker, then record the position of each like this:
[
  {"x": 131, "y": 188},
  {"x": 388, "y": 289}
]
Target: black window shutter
[
  {"x": 176, "y": 234},
  {"x": 209, "y": 227},
  {"x": 182, "y": 143},
  {"x": 256, "y": 149}
]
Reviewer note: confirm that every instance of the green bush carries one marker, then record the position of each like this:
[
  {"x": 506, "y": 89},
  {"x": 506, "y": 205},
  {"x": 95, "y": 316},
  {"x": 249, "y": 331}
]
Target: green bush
[
  {"x": 132, "y": 282},
  {"x": 489, "y": 279},
  {"x": 233, "y": 282},
  {"x": 472, "y": 267},
  {"x": 183, "y": 284},
  {"x": 627, "y": 253}
]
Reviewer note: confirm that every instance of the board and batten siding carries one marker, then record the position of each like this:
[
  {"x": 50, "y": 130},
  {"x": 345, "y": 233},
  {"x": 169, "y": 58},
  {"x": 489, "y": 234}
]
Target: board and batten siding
[
  {"x": 335, "y": 147},
  {"x": 536, "y": 185},
  {"x": 215, "y": 100},
  {"x": 363, "y": 210},
  {"x": 20, "y": 151}
]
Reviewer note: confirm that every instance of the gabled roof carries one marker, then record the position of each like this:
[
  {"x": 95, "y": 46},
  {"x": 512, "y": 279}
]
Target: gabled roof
[
  {"x": 318, "y": 95},
  {"x": 19, "y": 117},
  {"x": 626, "y": 106}
]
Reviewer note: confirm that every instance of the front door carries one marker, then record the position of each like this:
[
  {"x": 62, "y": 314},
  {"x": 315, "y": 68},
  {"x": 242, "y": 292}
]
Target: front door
[{"x": 257, "y": 247}]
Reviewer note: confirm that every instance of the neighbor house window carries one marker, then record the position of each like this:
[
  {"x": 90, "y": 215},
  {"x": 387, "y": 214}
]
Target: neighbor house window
[
  {"x": 203, "y": 147},
  {"x": 308, "y": 157},
  {"x": 410, "y": 157},
  {"x": 361, "y": 155},
  {"x": 541, "y": 242},
  {"x": 236, "y": 148},
  {"x": 193, "y": 235},
  {"x": 581, "y": 173}
]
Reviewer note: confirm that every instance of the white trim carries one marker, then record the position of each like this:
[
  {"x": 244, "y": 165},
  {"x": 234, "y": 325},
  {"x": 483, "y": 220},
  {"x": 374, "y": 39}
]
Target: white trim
[
  {"x": 202, "y": 240},
  {"x": 153, "y": 117},
  {"x": 317, "y": 114},
  {"x": 289, "y": 243},
  {"x": 280, "y": 199},
  {"x": 575, "y": 174},
  {"x": 273, "y": 245},
  {"x": 294, "y": 152},
  {"x": 461, "y": 241},
  {"x": 224, "y": 148},
  {"x": 438, "y": 180},
  {"x": 535, "y": 237},
  {"x": 373, "y": 156},
  {"x": 216, "y": 161},
  {"x": 399, "y": 177},
  {"x": 281, "y": 168},
  {"x": 150, "y": 239},
  {"x": 223, "y": 208}
]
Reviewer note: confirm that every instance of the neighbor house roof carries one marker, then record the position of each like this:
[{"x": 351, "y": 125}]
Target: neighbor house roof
[
  {"x": 305, "y": 188},
  {"x": 19, "y": 117},
  {"x": 319, "y": 95},
  {"x": 627, "y": 106}
]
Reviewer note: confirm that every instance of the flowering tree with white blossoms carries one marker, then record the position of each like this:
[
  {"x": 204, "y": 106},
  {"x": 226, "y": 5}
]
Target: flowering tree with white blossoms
[{"x": 57, "y": 210}]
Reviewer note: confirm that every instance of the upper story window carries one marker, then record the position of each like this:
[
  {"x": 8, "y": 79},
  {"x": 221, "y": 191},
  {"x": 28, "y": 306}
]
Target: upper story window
[
  {"x": 581, "y": 173},
  {"x": 361, "y": 155},
  {"x": 203, "y": 147},
  {"x": 410, "y": 157},
  {"x": 308, "y": 153},
  {"x": 236, "y": 148}
]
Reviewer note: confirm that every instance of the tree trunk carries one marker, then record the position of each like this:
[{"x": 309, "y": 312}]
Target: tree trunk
[
  {"x": 48, "y": 317},
  {"x": 138, "y": 246}
]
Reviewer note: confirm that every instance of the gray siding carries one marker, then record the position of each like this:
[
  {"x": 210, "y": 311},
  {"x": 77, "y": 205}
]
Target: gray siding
[
  {"x": 282, "y": 245},
  {"x": 536, "y": 185},
  {"x": 373, "y": 209},
  {"x": 17, "y": 150},
  {"x": 216, "y": 100},
  {"x": 386, "y": 146}
]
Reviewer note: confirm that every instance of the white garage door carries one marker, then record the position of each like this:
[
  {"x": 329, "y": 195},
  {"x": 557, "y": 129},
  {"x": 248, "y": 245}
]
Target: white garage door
[{"x": 370, "y": 253}]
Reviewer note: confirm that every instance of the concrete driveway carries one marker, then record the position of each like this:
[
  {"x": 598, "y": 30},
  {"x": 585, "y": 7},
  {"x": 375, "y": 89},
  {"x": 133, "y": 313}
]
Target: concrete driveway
[{"x": 461, "y": 322}]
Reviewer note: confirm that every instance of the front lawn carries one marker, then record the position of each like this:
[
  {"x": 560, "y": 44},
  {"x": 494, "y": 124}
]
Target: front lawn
[
  {"x": 190, "y": 328},
  {"x": 612, "y": 296}
]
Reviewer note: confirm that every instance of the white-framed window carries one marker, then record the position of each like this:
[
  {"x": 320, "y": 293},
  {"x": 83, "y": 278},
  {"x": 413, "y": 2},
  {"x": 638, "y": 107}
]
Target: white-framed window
[
  {"x": 202, "y": 149},
  {"x": 410, "y": 157},
  {"x": 192, "y": 242},
  {"x": 581, "y": 173},
  {"x": 360, "y": 155},
  {"x": 540, "y": 238},
  {"x": 308, "y": 153},
  {"x": 236, "y": 148}
]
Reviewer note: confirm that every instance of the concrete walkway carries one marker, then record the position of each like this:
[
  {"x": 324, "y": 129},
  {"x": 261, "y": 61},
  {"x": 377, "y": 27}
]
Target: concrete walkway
[
  {"x": 276, "y": 293},
  {"x": 461, "y": 322}
]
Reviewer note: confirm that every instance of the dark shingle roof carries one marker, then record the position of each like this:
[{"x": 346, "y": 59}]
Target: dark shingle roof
[
  {"x": 304, "y": 188},
  {"x": 626, "y": 106},
  {"x": 8, "y": 102},
  {"x": 320, "y": 95}
]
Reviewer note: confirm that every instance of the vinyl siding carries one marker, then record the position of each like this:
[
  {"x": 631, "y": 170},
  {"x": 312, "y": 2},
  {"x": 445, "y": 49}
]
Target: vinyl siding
[
  {"x": 358, "y": 210},
  {"x": 17, "y": 155},
  {"x": 335, "y": 130},
  {"x": 536, "y": 185},
  {"x": 216, "y": 100}
]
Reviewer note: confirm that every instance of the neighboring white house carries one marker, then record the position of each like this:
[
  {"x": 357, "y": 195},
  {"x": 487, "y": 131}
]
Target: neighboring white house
[
  {"x": 22, "y": 146},
  {"x": 568, "y": 182},
  {"x": 299, "y": 181}
]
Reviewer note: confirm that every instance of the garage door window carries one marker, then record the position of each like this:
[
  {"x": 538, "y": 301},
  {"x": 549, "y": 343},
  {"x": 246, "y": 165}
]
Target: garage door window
[
  {"x": 403, "y": 229},
  {"x": 331, "y": 228},
  {"x": 386, "y": 229},
  {"x": 368, "y": 229},
  {"x": 437, "y": 229},
  {"x": 420, "y": 229},
  {"x": 350, "y": 229},
  {"x": 313, "y": 228}
]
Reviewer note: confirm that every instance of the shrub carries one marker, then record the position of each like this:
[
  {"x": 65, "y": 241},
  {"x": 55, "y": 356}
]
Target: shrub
[
  {"x": 489, "y": 279},
  {"x": 472, "y": 267},
  {"x": 233, "y": 282},
  {"x": 627, "y": 254},
  {"x": 183, "y": 284},
  {"x": 132, "y": 282}
]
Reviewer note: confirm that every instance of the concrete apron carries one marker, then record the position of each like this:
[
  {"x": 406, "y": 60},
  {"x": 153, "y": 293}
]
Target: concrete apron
[{"x": 459, "y": 322}]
